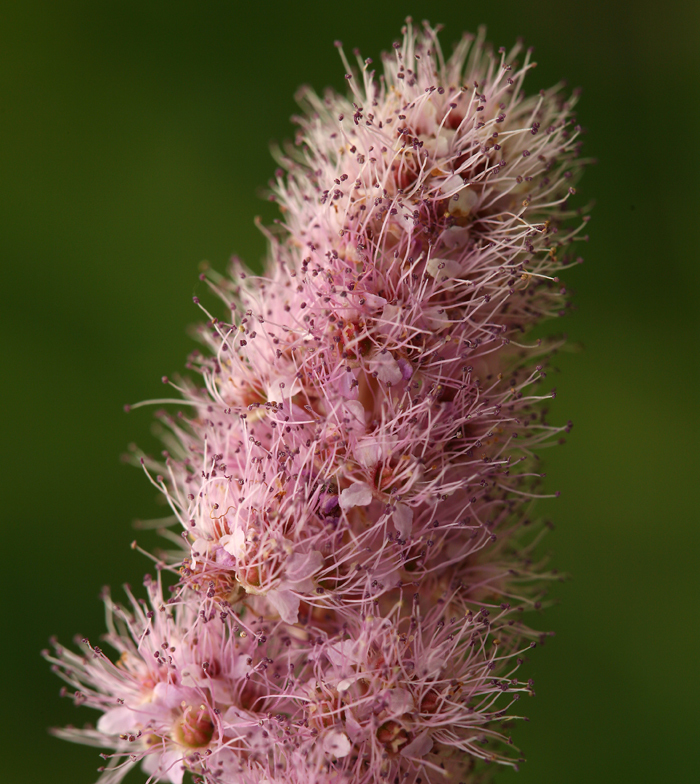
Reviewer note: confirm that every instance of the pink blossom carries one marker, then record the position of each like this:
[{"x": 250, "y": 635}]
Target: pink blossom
[{"x": 355, "y": 473}]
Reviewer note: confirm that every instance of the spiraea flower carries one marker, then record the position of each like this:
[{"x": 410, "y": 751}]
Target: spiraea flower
[{"x": 355, "y": 473}]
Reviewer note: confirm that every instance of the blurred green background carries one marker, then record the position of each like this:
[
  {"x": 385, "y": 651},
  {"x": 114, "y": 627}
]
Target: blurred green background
[{"x": 134, "y": 143}]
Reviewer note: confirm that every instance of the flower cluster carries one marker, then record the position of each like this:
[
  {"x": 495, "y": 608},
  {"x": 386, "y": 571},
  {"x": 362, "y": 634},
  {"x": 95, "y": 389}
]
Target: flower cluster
[{"x": 356, "y": 473}]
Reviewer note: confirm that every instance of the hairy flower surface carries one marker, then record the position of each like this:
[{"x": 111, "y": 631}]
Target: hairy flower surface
[{"x": 355, "y": 476}]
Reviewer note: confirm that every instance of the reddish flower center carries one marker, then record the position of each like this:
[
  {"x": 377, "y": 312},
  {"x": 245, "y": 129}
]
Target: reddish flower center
[{"x": 195, "y": 728}]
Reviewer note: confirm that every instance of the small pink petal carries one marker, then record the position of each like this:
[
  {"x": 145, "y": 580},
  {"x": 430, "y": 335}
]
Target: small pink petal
[
  {"x": 418, "y": 747},
  {"x": 368, "y": 452},
  {"x": 403, "y": 520},
  {"x": 386, "y": 368},
  {"x": 286, "y": 603},
  {"x": 117, "y": 721},
  {"x": 301, "y": 566},
  {"x": 359, "y": 494},
  {"x": 337, "y": 744}
]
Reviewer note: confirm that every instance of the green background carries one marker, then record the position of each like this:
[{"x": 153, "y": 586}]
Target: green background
[{"x": 134, "y": 143}]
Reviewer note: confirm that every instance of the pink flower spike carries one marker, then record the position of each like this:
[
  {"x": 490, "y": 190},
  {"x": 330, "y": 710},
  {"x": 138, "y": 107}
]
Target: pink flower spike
[{"x": 355, "y": 470}]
